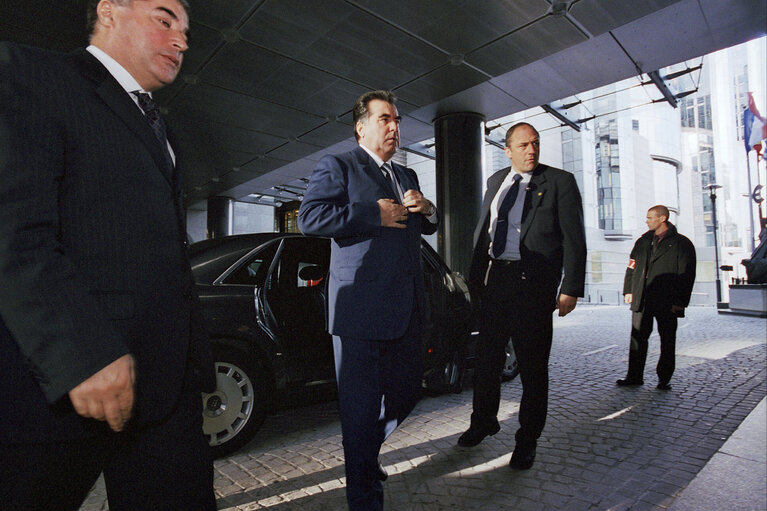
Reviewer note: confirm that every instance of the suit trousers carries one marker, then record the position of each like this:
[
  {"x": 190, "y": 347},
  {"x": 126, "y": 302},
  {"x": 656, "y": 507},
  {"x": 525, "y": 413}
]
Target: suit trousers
[
  {"x": 160, "y": 466},
  {"x": 641, "y": 328},
  {"x": 379, "y": 384},
  {"x": 515, "y": 306}
]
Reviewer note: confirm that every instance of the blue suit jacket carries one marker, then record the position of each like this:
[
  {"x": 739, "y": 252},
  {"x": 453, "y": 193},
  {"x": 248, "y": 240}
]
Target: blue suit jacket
[{"x": 375, "y": 272}]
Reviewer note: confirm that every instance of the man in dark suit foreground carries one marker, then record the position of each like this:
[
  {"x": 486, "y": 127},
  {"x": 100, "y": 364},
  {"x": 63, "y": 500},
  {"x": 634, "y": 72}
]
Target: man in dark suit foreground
[
  {"x": 375, "y": 213},
  {"x": 103, "y": 354},
  {"x": 530, "y": 228},
  {"x": 658, "y": 284}
]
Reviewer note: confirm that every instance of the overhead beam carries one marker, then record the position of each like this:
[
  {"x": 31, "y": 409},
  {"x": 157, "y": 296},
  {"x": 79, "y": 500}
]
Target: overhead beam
[
  {"x": 420, "y": 150},
  {"x": 494, "y": 142},
  {"x": 661, "y": 85},
  {"x": 562, "y": 117}
]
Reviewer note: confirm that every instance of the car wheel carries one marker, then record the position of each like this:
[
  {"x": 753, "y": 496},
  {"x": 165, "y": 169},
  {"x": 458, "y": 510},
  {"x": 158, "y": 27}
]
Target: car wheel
[
  {"x": 236, "y": 409},
  {"x": 510, "y": 367}
]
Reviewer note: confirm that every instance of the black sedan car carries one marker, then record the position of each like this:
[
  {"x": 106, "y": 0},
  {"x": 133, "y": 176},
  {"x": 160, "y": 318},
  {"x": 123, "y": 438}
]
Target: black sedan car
[{"x": 264, "y": 298}]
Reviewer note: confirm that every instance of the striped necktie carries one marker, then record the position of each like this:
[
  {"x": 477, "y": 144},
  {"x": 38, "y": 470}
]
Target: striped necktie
[
  {"x": 502, "y": 223},
  {"x": 392, "y": 179},
  {"x": 152, "y": 114}
]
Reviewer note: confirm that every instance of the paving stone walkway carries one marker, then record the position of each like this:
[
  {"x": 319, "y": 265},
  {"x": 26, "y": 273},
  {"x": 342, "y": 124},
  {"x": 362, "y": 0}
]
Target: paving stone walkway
[{"x": 604, "y": 447}]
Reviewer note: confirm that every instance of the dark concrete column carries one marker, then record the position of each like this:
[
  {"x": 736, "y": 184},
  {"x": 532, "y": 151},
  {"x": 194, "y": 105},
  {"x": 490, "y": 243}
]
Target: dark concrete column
[
  {"x": 458, "y": 145},
  {"x": 220, "y": 216}
]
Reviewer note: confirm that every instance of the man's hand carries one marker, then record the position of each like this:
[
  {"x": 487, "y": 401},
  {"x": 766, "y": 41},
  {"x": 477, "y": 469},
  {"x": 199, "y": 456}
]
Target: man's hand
[
  {"x": 566, "y": 304},
  {"x": 416, "y": 203},
  {"x": 628, "y": 298},
  {"x": 392, "y": 213},
  {"x": 107, "y": 395},
  {"x": 676, "y": 309}
]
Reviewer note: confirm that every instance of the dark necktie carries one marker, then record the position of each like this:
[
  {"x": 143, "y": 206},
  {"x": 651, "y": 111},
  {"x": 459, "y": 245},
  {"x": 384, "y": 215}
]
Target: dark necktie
[
  {"x": 389, "y": 173},
  {"x": 152, "y": 114},
  {"x": 502, "y": 223}
]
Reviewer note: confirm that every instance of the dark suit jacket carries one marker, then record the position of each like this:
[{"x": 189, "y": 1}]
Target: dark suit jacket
[
  {"x": 664, "y": 278},
  {"x": 552, "y": 237},
  {"x": 92, "y": 248},
  {"x": 375, "y": 272}
]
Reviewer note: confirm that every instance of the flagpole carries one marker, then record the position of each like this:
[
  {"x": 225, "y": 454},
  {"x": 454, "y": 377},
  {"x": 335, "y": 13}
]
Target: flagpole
[
  {"x": 759, "y": 183},
  {"x": 751, "y": 199}
]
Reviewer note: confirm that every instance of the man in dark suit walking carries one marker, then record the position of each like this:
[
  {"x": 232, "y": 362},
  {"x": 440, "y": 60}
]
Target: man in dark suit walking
[
  {"x": 658, "y": 284},
  {"x": 375, "y": 213},
  {"x": 530, "y": 228},
  {"x": 103, "y": 353}
]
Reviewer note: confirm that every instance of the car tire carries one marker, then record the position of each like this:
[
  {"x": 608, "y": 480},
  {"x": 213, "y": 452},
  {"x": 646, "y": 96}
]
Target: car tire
[
  {"x": 234, "y": 412},
  {"x": 510, "y": 366}
]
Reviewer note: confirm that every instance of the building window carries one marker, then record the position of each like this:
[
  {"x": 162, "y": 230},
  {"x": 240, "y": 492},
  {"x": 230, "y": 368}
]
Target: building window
[
  {"x": 740, "y": 84},
  {"x": 731, "y": 238},
  {"x": 596, "y": 266},
  {"x": 608, "y": 175},
  {"x": 704, "y": 112},
  {"x": 572, "y": 155},
  {"x": 666, "y": 185},
  {"x": 687, "y": 112}
]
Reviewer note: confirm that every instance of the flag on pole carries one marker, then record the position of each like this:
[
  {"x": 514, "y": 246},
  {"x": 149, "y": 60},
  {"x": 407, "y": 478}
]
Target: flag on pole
[{"x": 754, "y": 125}]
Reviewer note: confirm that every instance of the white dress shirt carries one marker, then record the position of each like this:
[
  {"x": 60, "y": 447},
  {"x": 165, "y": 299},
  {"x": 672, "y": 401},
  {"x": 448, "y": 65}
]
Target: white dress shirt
[
  {"x": 511, "y": 251},
  {"x": 431, "y": 218},
  {"x": 124, "y": 78}
]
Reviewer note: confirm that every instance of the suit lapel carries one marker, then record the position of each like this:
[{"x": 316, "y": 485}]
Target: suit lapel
[
  {"x": 403, "y": 177},
  {"x": 536, "y": 190},
  {"x": 177, "y": 184},
  {"x": 663, "y": 247},
  {"x": 493, "y": 184},
  {"x": 369, "y": 166},
  {"x": 123, "y": 106}
]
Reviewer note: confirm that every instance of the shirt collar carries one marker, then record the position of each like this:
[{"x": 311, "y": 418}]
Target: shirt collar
[
  {"x": 123, "y": 77},
  {"x": 526, "y": 176},
  {"x": 373, "y": 155}
]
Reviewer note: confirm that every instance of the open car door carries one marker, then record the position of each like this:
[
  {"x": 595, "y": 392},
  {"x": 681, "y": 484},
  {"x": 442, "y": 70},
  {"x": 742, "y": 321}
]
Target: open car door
[{"x": 292, "y": 307}]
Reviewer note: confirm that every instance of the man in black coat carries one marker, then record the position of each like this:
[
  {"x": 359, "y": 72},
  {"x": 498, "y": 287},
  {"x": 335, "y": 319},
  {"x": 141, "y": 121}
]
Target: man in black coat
[
  {"x": 530, "y": 229},
  {"x": 658, "y": 284},
  {"x": 103, "y": 352}
]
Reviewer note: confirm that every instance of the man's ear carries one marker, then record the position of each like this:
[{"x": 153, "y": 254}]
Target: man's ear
[
  {"x": 105, "y": 13},
  {"x": 359, "y": 128}
]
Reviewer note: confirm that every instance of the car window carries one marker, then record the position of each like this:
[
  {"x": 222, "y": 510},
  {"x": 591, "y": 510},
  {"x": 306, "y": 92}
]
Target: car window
[
  {"x": 304, "y": 262},
  {"x": 253, "y": 271}
]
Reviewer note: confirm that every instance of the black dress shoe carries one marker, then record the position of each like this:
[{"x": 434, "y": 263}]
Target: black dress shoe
[
  {"x": 628, "y": 382},
  {"x": 383, "y": 475},
  {"x": 663, "y": 386},
  {"x": 475, "y": 434},
  {"x": 523, "y": 456}
]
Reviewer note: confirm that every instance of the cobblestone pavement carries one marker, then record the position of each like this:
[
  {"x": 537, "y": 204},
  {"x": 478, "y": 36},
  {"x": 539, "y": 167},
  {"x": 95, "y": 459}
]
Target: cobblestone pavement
[{"x": 604, "y": 447}]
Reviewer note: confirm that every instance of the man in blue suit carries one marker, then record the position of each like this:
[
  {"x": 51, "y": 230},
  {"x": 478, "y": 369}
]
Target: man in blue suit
[{"x": 374, "y": 212}]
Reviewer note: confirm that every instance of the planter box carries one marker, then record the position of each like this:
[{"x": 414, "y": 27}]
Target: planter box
[{"x": 748, "y": 300}]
